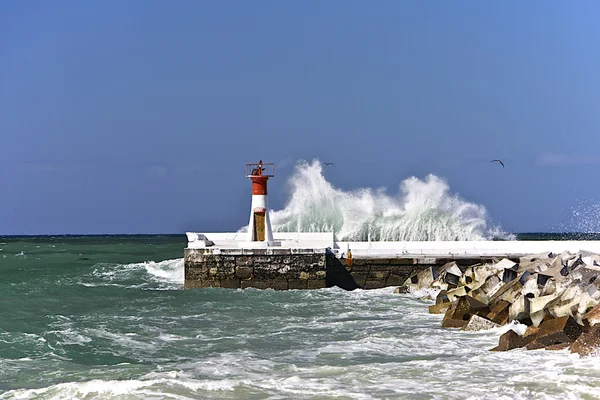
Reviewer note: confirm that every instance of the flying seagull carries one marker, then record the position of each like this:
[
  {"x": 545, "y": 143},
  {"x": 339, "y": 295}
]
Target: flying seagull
[
  {"x": 498, "y": 161},
  {"x": 328, "y": 163}
]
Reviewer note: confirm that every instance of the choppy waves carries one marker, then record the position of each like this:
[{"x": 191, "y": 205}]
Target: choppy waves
[
  {"x": 234, "y": 344},
  {"x": 167, "y": 274},
  {"x": 422, "y": 210},
  {"x": 101, "y": 330}
]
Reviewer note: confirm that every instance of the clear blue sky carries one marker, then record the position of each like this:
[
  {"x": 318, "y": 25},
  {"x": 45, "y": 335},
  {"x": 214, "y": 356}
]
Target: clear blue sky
[{"x": 138, "y": 116}]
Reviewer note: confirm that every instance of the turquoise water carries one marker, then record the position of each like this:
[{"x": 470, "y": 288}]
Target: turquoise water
[{"x": 107, "y": 318}]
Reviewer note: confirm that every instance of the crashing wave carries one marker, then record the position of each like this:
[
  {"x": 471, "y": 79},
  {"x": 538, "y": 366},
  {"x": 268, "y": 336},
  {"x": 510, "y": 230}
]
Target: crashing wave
[{"x": 423, "y": 210}]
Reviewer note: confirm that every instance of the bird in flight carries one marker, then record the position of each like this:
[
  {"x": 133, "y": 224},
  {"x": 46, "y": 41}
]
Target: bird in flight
[
  {"x": 498, "y": 161},
  {"x": 329, "y": 163}
]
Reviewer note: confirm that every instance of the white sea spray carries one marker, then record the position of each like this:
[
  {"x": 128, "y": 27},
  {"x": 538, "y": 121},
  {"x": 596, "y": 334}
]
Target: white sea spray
[{"x": 423, "y": 209}]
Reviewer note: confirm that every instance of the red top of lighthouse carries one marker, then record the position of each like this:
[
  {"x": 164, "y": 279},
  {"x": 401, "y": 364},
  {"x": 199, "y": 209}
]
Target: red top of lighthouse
[
  {"x": 259, "y": 174},
  {"x": 260, "y": 169}
]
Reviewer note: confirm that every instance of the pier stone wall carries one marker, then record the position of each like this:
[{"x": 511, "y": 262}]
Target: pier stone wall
[
  {"x": 279, "y": 269},
  {"x": 283, "y": 269}
]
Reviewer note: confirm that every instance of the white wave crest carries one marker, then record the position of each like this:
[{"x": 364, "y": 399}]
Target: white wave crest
[
  {"x": 168, "y": 270},
  {"x": 422, "y": 210},
  {"x": 169, "y": 387}
]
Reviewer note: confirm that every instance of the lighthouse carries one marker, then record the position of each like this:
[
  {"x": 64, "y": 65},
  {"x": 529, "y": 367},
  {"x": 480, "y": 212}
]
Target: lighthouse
[{"x": 259, "y": 227}]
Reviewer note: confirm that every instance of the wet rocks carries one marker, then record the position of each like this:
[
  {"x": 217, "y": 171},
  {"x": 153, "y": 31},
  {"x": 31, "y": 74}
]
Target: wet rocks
[
  {"x": 499, "y": 312},
  {"x": 477, "y": 323},
  {"x": 512, "y": 340},
  {"x": 592, "y": 317},
  {"x": 420, "y": 278},
  {"x": 401, "y": 289},
  {"x": 442, "y": 303},
  {"x": 556, "y": 296},
  {"x": 439, "y": 308},
  {"x": 588, "y": 343},
  {"x": 563, "y": 330},
  {"x": 459, "y": 312}
]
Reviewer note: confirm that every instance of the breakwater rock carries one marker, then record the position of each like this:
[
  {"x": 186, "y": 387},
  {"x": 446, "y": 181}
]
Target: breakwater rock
[{"x": 552, "y": 300}]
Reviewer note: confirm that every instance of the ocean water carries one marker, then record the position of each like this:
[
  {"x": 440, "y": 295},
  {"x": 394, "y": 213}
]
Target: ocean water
[{"x": 107, "y": 318}]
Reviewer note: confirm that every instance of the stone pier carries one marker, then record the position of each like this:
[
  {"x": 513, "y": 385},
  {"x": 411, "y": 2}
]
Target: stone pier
[
  {"x": 293, "y": 268},
  {"x": 302, "y": 260},
  {"x": 279, "y": 269}
]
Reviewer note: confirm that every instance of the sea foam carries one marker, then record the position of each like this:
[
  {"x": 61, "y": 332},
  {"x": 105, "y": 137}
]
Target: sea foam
[
  {"x": 167, "y": 274},
  {"x": 169, "y": 270}
]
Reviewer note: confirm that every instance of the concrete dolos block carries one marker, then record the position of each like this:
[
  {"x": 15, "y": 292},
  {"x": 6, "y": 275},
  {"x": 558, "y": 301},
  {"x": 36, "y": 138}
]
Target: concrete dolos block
[
  {"x": 557, "y": 331},
  {"x": 587, "y": 343},
  {"x": 556, "y": 296},
  {"x": 592, "y": 317},
  {"x": 460, "y": 312},
  {"x": 420, "y": 279},
  {"x": 477, "y": 323}
]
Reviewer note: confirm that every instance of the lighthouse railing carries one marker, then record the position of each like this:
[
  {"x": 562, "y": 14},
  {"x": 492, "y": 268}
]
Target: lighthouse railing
[{"x": 268, "y": 169}]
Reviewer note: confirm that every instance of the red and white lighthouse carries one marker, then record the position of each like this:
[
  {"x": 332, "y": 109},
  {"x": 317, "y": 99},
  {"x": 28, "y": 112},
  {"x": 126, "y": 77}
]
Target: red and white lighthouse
[{"x": 259, "y": 228}]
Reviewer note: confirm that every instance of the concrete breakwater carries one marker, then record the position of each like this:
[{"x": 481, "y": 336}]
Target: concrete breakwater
[
  {"x": 552, "y": 300},
  {"x": 295, "y": 268},
  {"x": 316, "y": 260}
]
